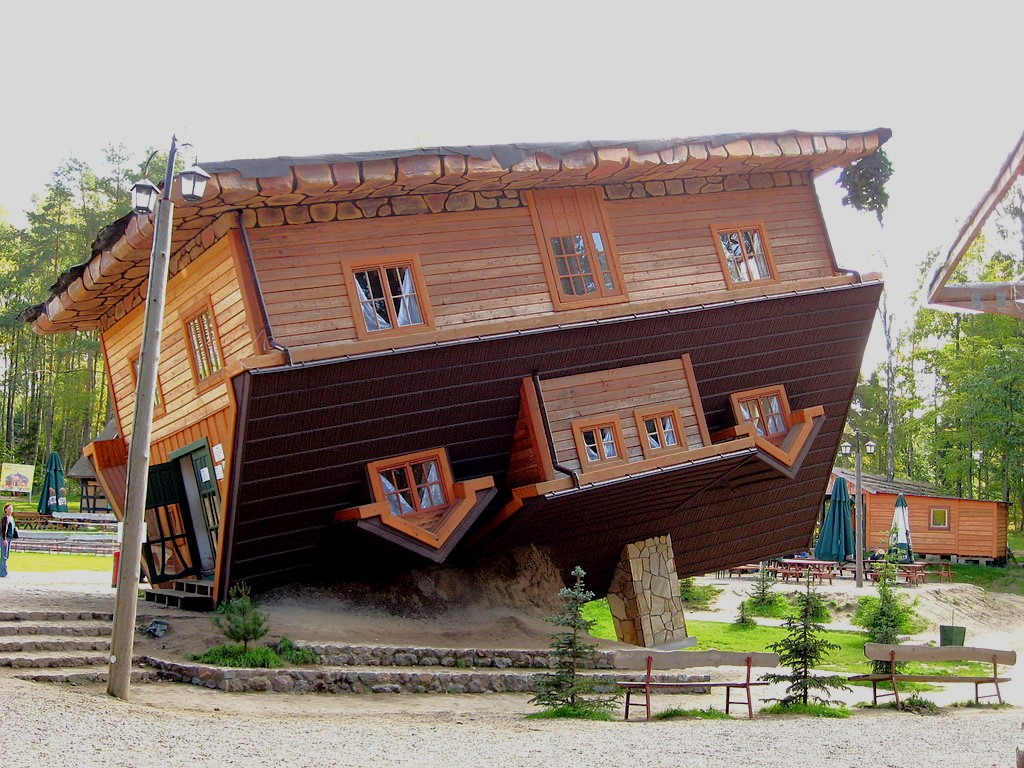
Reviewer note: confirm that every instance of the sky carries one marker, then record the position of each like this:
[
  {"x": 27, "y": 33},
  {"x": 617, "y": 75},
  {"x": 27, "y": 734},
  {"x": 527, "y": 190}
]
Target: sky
[{"x": 261, "y": 79}]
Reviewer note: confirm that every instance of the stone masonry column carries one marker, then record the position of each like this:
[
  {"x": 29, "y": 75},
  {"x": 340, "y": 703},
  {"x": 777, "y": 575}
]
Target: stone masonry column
[{"x": 644, "y": 596}]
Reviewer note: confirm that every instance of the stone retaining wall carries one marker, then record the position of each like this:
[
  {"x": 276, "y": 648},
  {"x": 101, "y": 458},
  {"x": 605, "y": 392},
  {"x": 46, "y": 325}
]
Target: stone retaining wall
[
  {"x": 392, "y": 656},
  {"x": 349, "y": 680}
]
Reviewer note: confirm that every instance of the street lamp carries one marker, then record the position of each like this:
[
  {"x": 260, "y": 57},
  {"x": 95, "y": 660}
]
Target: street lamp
[
  {"x": 146, "y": 198},
  {"x": 846, "y": 449}
]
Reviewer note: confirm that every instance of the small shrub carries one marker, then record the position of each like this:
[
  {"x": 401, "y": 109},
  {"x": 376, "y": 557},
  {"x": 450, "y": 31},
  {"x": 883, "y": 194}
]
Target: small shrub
[
  {"x": 918, "y": 705},
  {"x": 291, "y": 653},
  {"x": 814, "y": 710},
  {"x": 775, "y": 607},
  {"x": 566, "y": 689},
  {"x": 697, "y": 597},
  {"x": 910, "y": 622},
  {"x": 240, "y": 620},
  {"x": 743, "y": 618},
  {"x": 762, "y": 593},
  {"x": 700, "y": 714},
  {"x": 803, "y": 650},
  {"x": 239, "y": 656},
  {"x": 972, "y": 704}
]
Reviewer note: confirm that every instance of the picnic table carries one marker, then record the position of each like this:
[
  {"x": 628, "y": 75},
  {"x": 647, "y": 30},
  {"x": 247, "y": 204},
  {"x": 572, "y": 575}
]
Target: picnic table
[
  {"x": 800, "y": 567},
  {"x": 911, "y": 573},
  {"x": 943, "y": 570}
]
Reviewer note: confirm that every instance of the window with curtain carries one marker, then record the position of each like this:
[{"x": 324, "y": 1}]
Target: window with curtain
[
  {"x": 387, "y": 297},
  {"x": 745, "y": 254},
  {"x": 415, "y": 483},
  {"x": 202, "y": 337}
]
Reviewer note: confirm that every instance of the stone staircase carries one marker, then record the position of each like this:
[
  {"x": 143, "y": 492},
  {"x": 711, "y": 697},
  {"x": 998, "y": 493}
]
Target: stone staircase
[
  {"x": 58, "y": 646},
  {"x": 392, "y": 669}
]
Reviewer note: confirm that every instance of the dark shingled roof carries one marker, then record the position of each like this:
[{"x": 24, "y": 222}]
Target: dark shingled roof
[{"x": 871, "y": 483}]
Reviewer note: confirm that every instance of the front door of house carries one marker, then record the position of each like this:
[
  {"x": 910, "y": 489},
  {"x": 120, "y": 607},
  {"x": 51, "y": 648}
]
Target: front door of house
[{"x": 195, "y": 464}]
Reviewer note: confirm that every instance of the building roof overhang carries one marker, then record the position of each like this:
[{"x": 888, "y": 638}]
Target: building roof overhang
[
  {"x": 119, "y": 262},
  {"x": 1000, "y": 298}
]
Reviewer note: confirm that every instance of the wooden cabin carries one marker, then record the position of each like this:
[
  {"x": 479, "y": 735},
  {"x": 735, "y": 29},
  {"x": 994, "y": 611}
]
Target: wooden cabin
[
  {"x": 963, "y": 530},
  {"x": 374, "y": 362}
]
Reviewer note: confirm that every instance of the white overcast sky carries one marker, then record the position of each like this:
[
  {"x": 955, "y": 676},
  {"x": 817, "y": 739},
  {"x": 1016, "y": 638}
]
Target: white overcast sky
[{"x": 259, "y": 79}]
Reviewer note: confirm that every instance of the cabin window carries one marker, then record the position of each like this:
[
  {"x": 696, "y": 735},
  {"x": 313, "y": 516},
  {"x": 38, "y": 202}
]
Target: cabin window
[
  {"x": 599, "y": 441},
  {"x": 744, "y": 254},
  {"x": 158, "y": 400},
  {"x": 580, "y": 261},
  {"x": 202, "y": 338},
  {"x": 766, "y": 408},
  {"x": 387, "y": 297},
  {"x": 420, "y": 482},
  {"x": 658, "y": 430},
  {"x": 939, "y": 518}
]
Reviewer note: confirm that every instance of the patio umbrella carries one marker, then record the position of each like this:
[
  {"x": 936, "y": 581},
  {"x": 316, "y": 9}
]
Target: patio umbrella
[
  {"x": 899, "y": 534},
  {"x": 835, "y": 539},
  {"x": 53, "y": 496}
]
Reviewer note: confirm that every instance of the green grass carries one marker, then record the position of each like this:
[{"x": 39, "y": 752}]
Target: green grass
[
  {"x": 700, "y": 714},
  {"x": 258, "y": 656},
  {"x": 813, "y": 710},
  {"x": 22, "y": 504},
  {"x": 1006, "y": 579},
  {"x": 566, "y": 711},
  {"x": 848, "y": 659},
  {"x": 1015, "y": 541},
  {"x": 697, "y": 597},
  {"x": 49, "y": 562},
  {"x": 288, "y": 651}
]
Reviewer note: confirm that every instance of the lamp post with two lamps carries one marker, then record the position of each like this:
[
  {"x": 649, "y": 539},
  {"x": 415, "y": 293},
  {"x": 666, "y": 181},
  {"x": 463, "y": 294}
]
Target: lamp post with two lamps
[
  {"x": 146, "y": 198},
  {"x": 846, "y": 449}
]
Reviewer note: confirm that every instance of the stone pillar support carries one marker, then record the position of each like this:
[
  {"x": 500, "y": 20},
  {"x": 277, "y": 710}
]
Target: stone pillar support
[{"x": 644, "y": 596}]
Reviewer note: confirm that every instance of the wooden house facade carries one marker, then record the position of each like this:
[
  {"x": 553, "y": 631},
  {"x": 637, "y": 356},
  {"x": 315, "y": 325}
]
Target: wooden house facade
[
  {"x": 940, "y": 525},
  {"x": 371, "y": 362}
]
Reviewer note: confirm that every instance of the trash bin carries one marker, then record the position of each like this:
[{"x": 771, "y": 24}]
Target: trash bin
[{"x": 951, "y": 635}]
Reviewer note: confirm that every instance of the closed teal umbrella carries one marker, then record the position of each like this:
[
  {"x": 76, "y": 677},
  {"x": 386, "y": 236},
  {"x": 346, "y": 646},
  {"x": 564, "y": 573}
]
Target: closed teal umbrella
[
  {"x": 835, "y": 539},
  {"x": 53, "y": 496}
]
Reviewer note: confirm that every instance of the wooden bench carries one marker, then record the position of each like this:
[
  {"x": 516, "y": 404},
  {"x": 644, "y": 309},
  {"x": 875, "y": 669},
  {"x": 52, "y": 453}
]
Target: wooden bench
[
  {"x": 894, "y": 654},
  {"x": 649, "y": 660},
  {"x": 742, "y": 570}
]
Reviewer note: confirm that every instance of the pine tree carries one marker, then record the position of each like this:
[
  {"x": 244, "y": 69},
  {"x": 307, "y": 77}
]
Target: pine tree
[
  {"x": 884, "y": 626},
  {"x": 565, "y": 687},
  {"x": 240, "y": 620},
  {"x": 802, "y": 650}
]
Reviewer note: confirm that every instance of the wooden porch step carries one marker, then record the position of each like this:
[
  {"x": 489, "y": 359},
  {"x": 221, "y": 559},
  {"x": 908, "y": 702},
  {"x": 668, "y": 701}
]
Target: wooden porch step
[
  {"x": 194, "y": 586},
  {"x": 180, "y": 598}
]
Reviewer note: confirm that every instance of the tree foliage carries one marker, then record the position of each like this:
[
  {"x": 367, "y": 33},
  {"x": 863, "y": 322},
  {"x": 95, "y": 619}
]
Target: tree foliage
[
  {"x": 239, "y": 618},
  {"x": 566, "y": 687},
  {"x": 802, "y": 650},
  {"x": 864, "y": 182}
]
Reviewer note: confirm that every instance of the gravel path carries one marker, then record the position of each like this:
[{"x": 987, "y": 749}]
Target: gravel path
[{"x": 167, "y": 724}]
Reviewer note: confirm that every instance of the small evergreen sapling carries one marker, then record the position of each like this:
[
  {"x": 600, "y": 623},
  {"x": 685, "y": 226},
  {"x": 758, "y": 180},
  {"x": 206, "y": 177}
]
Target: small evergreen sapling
[
  {"x": 565, "y": 687},
  {"x": 802, "y": 650},
  {"x": 240, "y": 620}
]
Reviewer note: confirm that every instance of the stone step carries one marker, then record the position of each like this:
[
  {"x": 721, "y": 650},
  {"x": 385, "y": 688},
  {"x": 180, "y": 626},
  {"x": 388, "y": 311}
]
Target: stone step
[
  {"x": 11, "y": 645},
  {"x": 82, "y": 675},
  {"x": 66, "y": 628},
  {"x": 51, "y": 659},
  {"x": 50, "y": 615}
]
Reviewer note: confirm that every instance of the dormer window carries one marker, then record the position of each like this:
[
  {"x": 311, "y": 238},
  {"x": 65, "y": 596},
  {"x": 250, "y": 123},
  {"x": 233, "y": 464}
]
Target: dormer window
[
  {"x": 767, "y": 409},
  {"x": 744, "y": 254},
  {"x": 599, "y": 441},
  {"x": 418, "y": 483}
]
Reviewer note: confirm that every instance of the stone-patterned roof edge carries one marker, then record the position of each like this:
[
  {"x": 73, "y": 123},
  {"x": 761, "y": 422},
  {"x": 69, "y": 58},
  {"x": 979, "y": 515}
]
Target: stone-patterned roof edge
[
  {"x": 507, "y": 155},
  {"x": 118, "y": 265}
]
